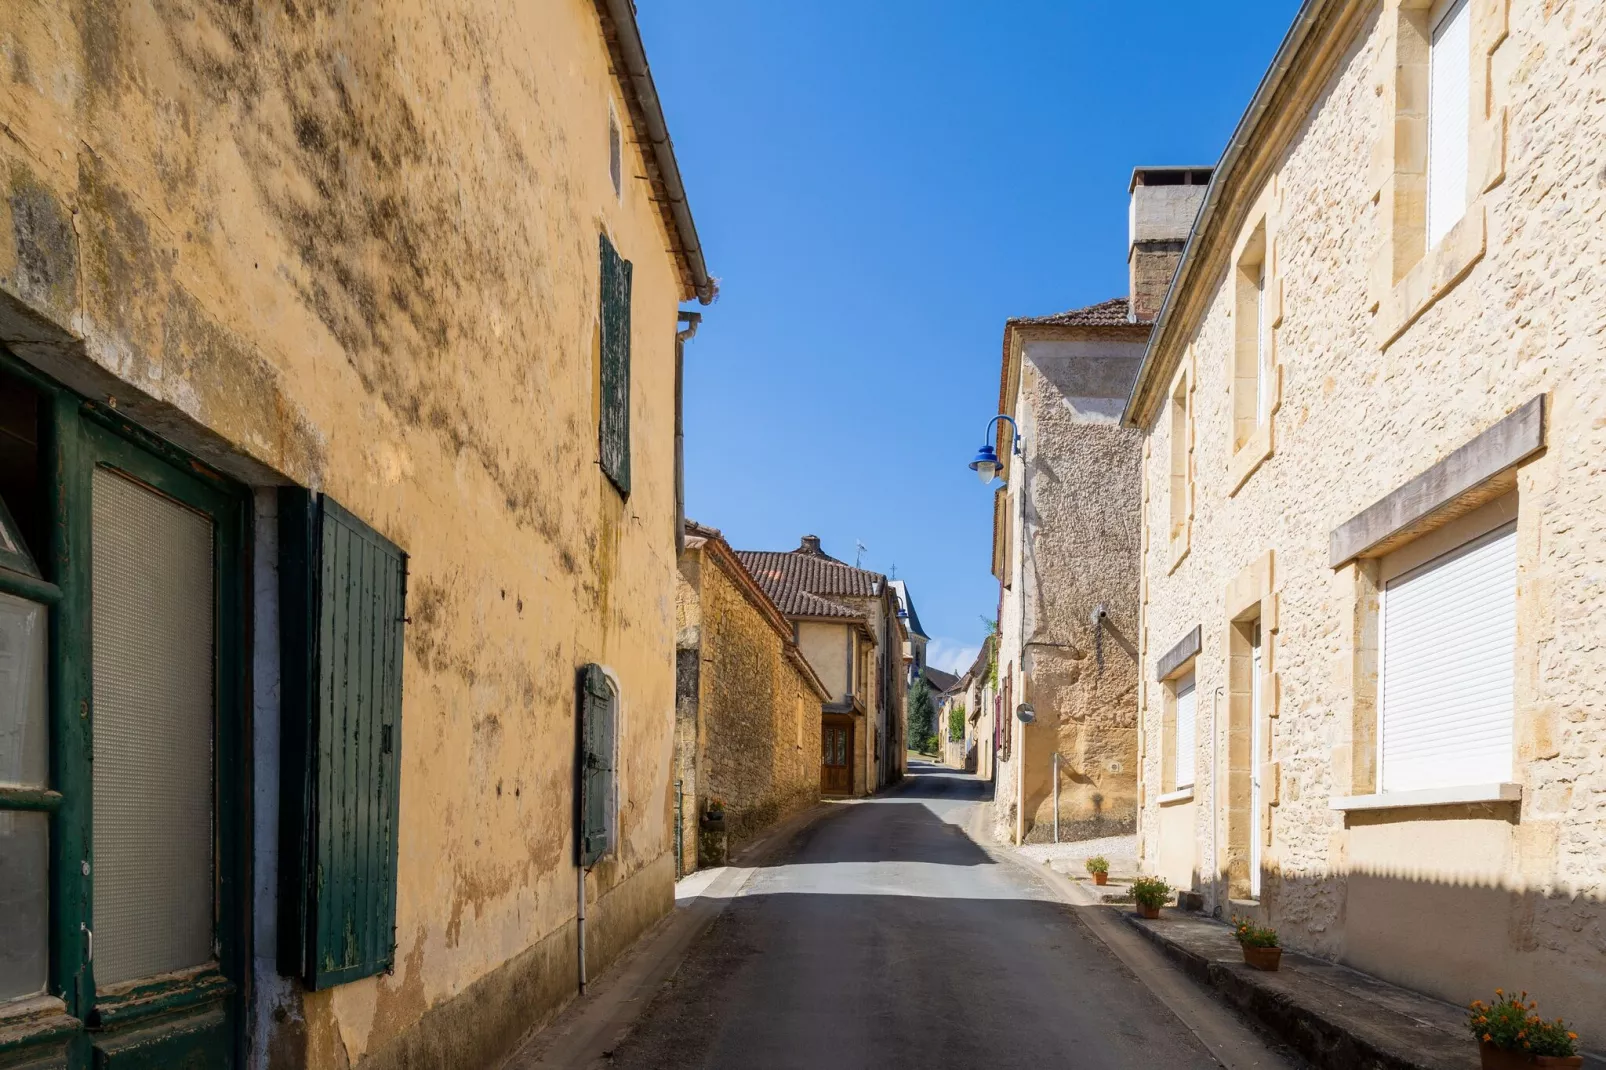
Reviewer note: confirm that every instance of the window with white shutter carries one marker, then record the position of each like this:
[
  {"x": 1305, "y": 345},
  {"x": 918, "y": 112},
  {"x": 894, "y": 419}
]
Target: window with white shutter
[
  {"x": 1449, "y": 108},
  {"x": 1449, "y": 631},
  {"x": 1186, "y": 719}
]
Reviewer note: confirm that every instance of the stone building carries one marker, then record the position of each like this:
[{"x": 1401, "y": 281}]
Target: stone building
[
  {"x": 1066, "y": 535},
  {"x": 747, "y": 704},
  {"x": 914, "y": 647},
  {"x": 1374, "y": 476},
  {"x": 845, "y": 620},
  {"x": 977, "y": 694},
  {"x": 338, "y": 357}
]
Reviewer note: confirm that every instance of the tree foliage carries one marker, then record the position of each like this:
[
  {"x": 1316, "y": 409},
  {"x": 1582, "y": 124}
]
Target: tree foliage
[{"x": 922, "y": 715}]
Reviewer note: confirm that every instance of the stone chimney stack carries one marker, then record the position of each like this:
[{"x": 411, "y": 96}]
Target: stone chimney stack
[
  {"x": 811, "y": 545},
  {"x": 1165, "y": 201}
]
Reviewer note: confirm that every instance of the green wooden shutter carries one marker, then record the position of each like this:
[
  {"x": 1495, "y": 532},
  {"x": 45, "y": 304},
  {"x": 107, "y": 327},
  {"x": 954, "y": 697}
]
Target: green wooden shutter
[
  {"x": 614, "y": 426},
  {"x": 342, "y": 604},
  {"x": 596, "y": 765}
]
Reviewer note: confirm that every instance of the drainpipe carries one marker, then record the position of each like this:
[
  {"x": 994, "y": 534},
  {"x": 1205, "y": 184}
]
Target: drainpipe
[
  {"x": 580, "y": 915},
  {"x": 1215, "y": 797},
  {"x": 691, "y": 320}
]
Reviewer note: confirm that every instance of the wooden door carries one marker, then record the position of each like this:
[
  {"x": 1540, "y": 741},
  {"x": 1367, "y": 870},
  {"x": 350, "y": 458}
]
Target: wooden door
[{"x": 836, "y": 759}]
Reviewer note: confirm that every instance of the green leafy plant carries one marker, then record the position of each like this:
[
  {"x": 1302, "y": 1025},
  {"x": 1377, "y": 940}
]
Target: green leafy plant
[
  {"x": 1151, "y": 892},
  {"x": 922, "y": 717},
  {"x": 1512, "y": 1023},
  {"x": 956, "y": 724},
  {"x": 716, "y": 805},
  {"x": 1097, "y": 864},
  {"x": 1251, "y": 935}
]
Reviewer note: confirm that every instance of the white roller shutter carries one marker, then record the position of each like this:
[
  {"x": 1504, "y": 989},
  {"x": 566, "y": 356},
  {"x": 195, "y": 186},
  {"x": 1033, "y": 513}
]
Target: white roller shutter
[
  {"x": 1449, "y": 647},
  {"x": 1186, "y": 720},
  {"x": 1449, "y": 128}
]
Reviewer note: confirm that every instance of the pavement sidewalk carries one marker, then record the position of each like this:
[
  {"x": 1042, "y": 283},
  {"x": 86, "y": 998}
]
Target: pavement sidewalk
[{"x": 1335, "y": 1017}]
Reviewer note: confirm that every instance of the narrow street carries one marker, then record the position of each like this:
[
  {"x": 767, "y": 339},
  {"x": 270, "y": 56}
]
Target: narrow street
[{"x": 885, "y": 936}]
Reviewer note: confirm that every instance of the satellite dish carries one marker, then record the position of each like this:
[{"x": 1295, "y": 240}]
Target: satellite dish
[{"x": 1025, "y": 713}]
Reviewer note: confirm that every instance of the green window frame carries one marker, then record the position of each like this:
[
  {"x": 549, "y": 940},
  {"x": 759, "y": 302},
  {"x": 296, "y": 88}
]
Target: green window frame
[
  {"x": 195, "y": 1016},
  {"x": 613, "y": 430},
  {"x": 342, "y": 611}
]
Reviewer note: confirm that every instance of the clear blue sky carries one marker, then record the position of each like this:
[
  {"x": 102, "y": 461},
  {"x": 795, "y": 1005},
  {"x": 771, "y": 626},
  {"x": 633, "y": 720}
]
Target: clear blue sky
[{"x": 878, "y": 185}]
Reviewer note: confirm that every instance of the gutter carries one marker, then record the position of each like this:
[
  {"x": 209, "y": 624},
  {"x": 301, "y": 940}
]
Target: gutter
[
  {"x": 633, "y": 71},
  {"x": 683, "y": 335},
  {"x": 1310, "y": 14}
]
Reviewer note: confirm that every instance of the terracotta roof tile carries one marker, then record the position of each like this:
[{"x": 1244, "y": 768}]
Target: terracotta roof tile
[
  {"x": 802, "y": 583},
  {"x": 1112, "y": 313}
]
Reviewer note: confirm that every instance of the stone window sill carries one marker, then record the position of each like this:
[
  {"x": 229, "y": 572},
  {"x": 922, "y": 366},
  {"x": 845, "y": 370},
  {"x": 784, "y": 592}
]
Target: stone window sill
[
  {"x": 1248, "y": 457},
  {"x": 1181, "y": 795},
  {"x": 1435, "y": 275},
  {"x": 1461, "y": 794}
]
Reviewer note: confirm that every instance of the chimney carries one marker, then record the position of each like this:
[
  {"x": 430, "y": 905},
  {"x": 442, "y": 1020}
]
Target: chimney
[
  {"x": 811, "y": 545},
  {"x": 1165, "y": 201}
]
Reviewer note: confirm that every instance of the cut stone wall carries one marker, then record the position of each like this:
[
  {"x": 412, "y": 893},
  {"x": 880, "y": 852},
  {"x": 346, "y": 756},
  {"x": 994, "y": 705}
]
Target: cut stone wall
[
  {"x": 1451, "y": 900},
  {"x": 757, "y": 716}
]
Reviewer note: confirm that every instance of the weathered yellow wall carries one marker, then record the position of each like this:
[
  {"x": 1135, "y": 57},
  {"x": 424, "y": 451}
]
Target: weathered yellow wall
[
  {"x": 758, "y": 717},
  {"x": 354, "y": 246},
  {"x": 1178, "y": 857}
]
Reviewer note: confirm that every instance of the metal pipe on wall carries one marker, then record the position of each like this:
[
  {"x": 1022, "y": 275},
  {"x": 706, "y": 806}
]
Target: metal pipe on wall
[
  {"x": 580, "y": 917},
  {"x": 1056, "y": 795},
  {"x": 691, "y": 320}
]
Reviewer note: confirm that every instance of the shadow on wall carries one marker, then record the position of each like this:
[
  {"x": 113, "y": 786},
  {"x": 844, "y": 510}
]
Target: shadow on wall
[{"x": 1454, "y": 939}]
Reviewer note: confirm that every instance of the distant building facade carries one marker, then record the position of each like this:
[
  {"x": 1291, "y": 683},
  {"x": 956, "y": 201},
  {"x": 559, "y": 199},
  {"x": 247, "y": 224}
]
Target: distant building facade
[
  {"x": 845, "y": 620},
  {"x": 1067, "y": 536},
  {"x": 914, "y": 647},
  {"x": 747, "y": 703}
]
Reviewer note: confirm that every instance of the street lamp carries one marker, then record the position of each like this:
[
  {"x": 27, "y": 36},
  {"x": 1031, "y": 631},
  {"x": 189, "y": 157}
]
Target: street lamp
[{"x": 986, "y": 464}]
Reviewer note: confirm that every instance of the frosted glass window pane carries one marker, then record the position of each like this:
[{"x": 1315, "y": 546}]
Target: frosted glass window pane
[
  {"x": 153, "y": 665},
  {"x": 24, "y": 754},
  {"x": 24, "y": 906}
]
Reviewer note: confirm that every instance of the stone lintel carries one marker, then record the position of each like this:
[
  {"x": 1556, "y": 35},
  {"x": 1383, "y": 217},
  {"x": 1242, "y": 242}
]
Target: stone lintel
[
  {"x": 1172, "y": 660},
  {"x": 1445, "y": 490}
]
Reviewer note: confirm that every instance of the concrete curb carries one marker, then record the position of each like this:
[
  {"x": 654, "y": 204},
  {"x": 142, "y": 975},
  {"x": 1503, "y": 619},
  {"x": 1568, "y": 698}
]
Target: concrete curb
[
  {"x": 589, "y": 1027},
  {"x": 1336, "y": 1017}
]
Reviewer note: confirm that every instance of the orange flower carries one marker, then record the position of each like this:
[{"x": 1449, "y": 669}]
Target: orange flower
[
  {"x": 1500, "y": 992},
  {"x": 1486, "y": 1036},
  {"x": 1572, "y": 1036}
]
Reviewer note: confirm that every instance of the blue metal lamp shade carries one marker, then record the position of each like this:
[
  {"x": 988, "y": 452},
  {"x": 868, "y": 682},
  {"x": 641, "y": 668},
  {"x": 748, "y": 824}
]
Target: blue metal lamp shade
[{"x": 985, "y": 464}]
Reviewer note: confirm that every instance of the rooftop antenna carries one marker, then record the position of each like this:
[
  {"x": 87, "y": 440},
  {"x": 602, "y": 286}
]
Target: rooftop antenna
[
  {"x": 894, "y": 573},
  {"x": 858, "y": 557}
]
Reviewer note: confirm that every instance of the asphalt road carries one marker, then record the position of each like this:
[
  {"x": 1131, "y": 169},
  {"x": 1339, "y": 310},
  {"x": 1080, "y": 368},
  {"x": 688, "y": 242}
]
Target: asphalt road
[{"x": 884, "y": 937}]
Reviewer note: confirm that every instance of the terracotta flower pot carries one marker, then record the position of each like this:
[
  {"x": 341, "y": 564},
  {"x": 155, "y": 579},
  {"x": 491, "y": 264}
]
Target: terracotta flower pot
[
  {"x": 1146, "y": 911},
  {"x": 1263, "y": 958},
  {"x": 1505, "y": 1059},
  {"x": 1101, "y": 878}
]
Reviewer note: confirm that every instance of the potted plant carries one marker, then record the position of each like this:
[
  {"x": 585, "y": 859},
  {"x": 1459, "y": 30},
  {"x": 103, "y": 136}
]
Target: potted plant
[
  {"x": 1099, "y": 866},
  {"x": 714, "y": 815},
  {"x": 1259, "y": 944},
  {"x": 1512, "y": 1036},
  {"x": 1150, "y": 894}
]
